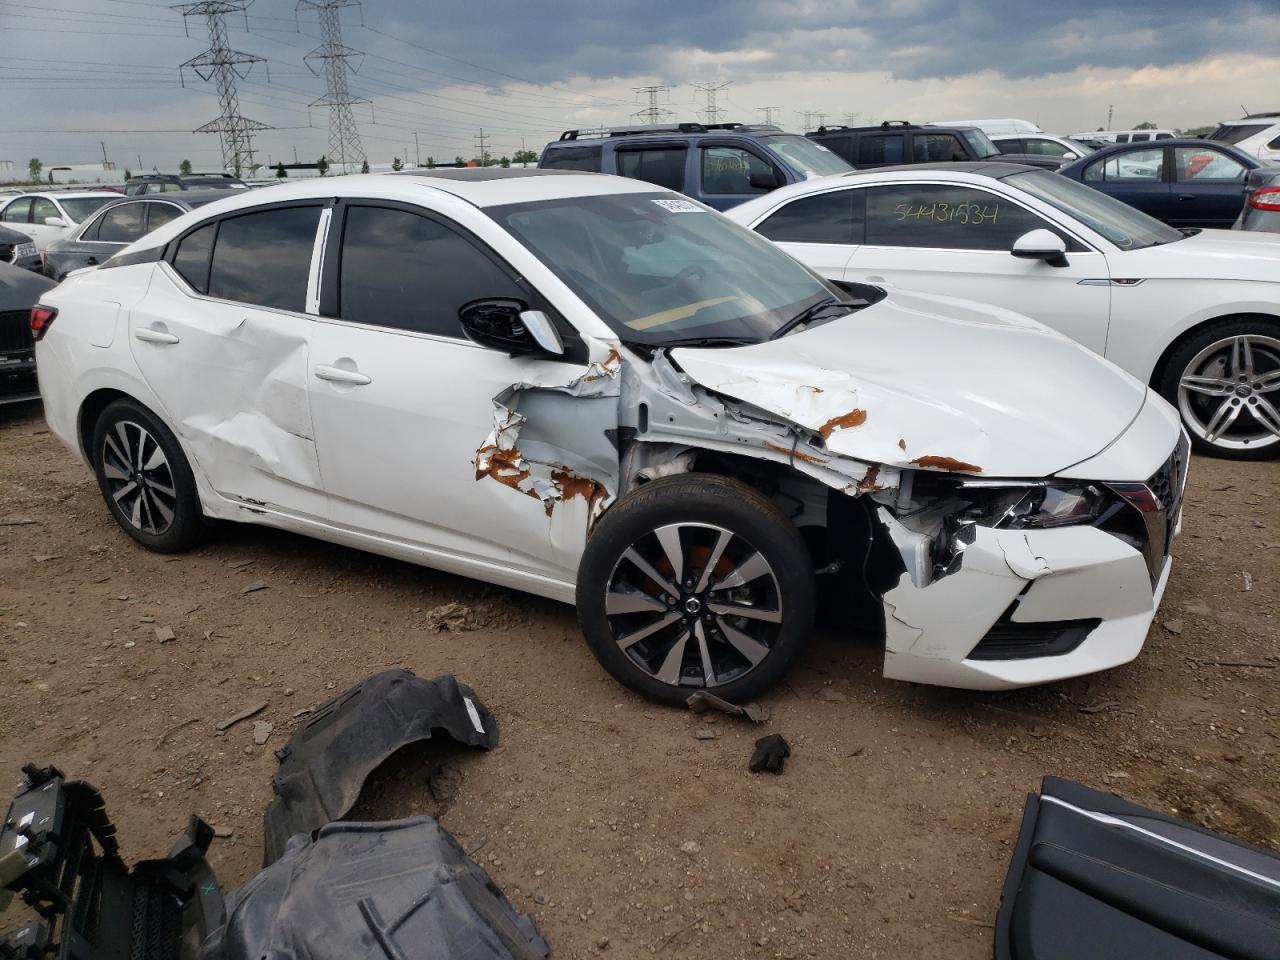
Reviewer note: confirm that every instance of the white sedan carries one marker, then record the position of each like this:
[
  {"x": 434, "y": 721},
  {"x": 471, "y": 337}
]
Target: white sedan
[
  {"x": 1195, "y": 314},
  {"x": 596, "y": 390},
  {"x": 46, "y": 217}
]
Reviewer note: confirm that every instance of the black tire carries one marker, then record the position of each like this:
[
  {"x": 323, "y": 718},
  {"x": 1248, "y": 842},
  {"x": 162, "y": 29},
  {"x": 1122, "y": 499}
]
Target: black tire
[
  {"x": 1208, "y": 355},
  {"x": 141, "y": 509},
  {"x": 703, "y": 508}
]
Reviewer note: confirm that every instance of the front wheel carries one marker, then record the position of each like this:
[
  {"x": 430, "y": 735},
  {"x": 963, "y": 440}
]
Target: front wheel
[
  {"x": 1225, "y": 382},
  {"x": 696, "y": 581}
]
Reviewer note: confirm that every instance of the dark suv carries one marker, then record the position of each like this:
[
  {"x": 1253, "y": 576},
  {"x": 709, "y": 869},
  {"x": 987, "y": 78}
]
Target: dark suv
[
  {"x": 720, "y": 164},
  {"x": 897, "y": 141},
  {"x": 150, "y": 183}
]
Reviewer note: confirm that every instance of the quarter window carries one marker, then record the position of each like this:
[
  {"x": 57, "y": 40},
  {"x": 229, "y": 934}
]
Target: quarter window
[
  {"x": 728, "y": 171},
  {"x": 945, "y": 217},
  {"x": 1129, "y": 166},
  {"x": 663, "y": 166},
  {"x": 122, "y": 224},
  {"x": 406, "y": 271},
  {"x": 572, "y": 158},
  {"x": 834, "y": 217},
  {"x": 880, "y": 149},
  {"x": 19, "y": 211},
  {"x": 1201, "y": 165},
  {"x": 265, "y": 258}
]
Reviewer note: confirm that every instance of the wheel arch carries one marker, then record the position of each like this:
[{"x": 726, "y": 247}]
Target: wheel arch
[
  {"x": 1162, "y": 363},
  {"x": 91, "y": 410}
]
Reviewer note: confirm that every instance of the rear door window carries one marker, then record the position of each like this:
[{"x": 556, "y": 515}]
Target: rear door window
[
  {"x": 572, "y": 158},
  {"x": 159, "y": 214},
  {"x": 1011, "y": 146},
  {"x": 122, "y": 224},
  {"x": 663, "y": 166},
  {"x": 942, "y": 216},
  {"x": 19, "y": 211},
  {"x": 834, "y": 218},
  {"x": 1205, "y": 165},
  {"x": 410, "y": 272},
  {"x": 264, "y": 258},
  {"x": 874, "y": 148}
]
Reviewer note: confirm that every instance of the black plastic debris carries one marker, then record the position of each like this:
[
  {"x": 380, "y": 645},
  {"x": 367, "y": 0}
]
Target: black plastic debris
[
  {"x": 770, "y": 754},
  {"x": 398, "y": 890},
  {"x": 58, "y": 852},
  {"x": 1098, "y": 877},
  {"x": 328, "y": 759}
]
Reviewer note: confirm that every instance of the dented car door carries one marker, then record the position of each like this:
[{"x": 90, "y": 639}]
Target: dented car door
[
  {"x": 404, "y": 402},
  {"x": 222, "y": 340}
]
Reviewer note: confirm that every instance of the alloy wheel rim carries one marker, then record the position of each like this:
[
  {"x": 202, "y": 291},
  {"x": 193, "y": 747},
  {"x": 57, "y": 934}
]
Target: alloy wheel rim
[
  {"x": 694, "y": 604},
  {"x": 1229, "y": 394},
  {"x": 139, "y": 478}
]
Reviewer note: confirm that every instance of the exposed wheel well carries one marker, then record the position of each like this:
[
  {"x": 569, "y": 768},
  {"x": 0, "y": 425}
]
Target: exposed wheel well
[
  {"x": 91, "y": 410},
  {"x": 1162, "y": 365}
]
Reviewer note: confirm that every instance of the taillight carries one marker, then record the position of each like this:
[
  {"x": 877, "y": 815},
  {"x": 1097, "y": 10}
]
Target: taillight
[
  {"x": 1267, "y": 198},
  {"x": 41, "y": 319}
]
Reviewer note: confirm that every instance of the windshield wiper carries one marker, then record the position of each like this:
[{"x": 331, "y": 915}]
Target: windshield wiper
[
  {"x": 806, "y": 315},
  {"x": 709, "y": 342}
]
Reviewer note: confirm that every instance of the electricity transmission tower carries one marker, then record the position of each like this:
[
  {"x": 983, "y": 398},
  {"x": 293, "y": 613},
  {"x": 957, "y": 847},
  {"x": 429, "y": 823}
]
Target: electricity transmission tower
[
  {"x": 711, "y": 113},
  {"x": 344, "y": 138},
  {"x": 768, "y": 113},
  {"x": 224, "y": 66},
  {"x": 810, "y": 116},
  {"x": 482, "y": 145},
  {"x": 653, "y": 113}
]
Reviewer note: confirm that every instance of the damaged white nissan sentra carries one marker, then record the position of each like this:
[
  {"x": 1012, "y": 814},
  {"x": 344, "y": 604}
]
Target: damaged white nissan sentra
[{"x": 595, "y": 390}]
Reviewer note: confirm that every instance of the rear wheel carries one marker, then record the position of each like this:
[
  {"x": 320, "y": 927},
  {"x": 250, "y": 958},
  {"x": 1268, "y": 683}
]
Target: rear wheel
[
  {"x": 696, "y": 581},
  {"x": 145, "y": 479},
  {"x": 1225, "y": 382}
]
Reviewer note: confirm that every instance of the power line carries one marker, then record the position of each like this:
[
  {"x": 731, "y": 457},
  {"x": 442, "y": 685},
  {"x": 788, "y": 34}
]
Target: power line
[
  {"x": 344, "y": 136},
  {"x": 224, "y": 65}
]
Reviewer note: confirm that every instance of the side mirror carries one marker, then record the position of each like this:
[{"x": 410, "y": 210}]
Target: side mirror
[
  {"x": 1041, "y": 245},
  {"x": 766, "y": 180},
  {"x": 510, "y": 326},
  {"x": 54, "y": 222}
]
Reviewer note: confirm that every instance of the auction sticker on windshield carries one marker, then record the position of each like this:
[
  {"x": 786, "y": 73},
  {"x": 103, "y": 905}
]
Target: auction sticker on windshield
[{"x": 680, "y": 206}]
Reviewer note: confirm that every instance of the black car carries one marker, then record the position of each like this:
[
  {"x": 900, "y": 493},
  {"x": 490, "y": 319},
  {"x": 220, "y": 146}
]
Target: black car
[
  {"x": 897, "y": 141},
  {"x": 118, "y": 224},
  {"x": 18, "y": 249},
  {"x": 148, "y": 184},
  {"x": 19, "y": 291}
]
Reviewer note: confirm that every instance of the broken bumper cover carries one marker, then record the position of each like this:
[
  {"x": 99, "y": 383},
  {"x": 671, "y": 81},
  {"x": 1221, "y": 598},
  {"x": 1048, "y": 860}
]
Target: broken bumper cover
[{"x": 1067, "y": 602}]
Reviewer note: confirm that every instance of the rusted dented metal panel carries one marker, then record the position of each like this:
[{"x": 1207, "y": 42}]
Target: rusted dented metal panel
[
  {"x": 949, "y": 464},
  {"x": 854, "y": 418}
]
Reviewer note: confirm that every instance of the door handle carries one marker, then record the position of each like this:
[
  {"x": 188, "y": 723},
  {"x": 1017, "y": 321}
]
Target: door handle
[
  {"x": 338, "y": 375},
  {"x": 1186, "y": 196},
  {"x": 152, "y": 335}
]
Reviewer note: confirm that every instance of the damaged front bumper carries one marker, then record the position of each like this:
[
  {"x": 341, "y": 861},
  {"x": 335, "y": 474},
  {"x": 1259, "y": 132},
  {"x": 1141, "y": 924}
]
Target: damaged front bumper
[{"x": 1025, "y": 607}]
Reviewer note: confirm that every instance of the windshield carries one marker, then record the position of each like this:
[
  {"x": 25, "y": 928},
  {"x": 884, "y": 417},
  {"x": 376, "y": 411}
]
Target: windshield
[
  {"x": 1126, "y": 227},
  {"x": 659, "y": 268},
  {"x": 78, "y": 208},
  {"x": 981, "y": 144},
  {"x": 806, "y": 157}
]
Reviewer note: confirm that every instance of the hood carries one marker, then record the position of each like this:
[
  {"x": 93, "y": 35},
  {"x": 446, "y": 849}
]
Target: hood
[
  {"x": 1209, "y": 255},
  {"x": 929, "y": 381}
]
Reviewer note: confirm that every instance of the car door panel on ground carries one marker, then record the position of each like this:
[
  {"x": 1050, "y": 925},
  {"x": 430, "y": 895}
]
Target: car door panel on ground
[
  {"x": 955, "y": 241},
  {"x": 398, "y": 441},
  {"x": 222, "y": 339}
]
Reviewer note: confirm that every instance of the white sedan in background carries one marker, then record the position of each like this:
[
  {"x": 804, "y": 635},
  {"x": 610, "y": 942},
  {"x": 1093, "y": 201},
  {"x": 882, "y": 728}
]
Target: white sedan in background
[
  {"x": 46, "y": 217},
  {"x": 1195, "y": 314}
]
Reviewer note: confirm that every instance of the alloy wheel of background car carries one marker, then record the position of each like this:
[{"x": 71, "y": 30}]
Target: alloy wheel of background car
[
  {"x": 696, "y": 581},
  {"x": 144, "y": 478},
  {"x": 1228, "y": 390}
]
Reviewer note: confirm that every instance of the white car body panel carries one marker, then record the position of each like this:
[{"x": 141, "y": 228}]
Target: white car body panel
[
  {"x": 43, "y": 234},
  {"x": 1216, "y": 273},
  {"x": 421, "y": 461}
]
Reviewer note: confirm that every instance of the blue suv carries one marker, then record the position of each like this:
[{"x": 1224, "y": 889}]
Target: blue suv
[{"x": 721, "y": 164}]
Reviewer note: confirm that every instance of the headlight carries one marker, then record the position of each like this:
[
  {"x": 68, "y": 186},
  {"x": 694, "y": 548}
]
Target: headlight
[{"x": 1019, "y": 506}]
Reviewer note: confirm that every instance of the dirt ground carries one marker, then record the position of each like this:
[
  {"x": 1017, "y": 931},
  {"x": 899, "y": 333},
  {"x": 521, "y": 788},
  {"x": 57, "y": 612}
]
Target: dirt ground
[{"x": 602, "y": 815}]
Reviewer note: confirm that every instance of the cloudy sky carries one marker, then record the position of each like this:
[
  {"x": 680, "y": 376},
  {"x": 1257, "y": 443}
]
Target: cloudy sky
[{"x": 81, "y": 74}]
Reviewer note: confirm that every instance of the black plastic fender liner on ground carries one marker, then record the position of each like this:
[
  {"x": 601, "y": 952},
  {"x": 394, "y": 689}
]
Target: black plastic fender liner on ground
[
  {"x": 403, "y": 889},
  {"x": 326, "y": 761},
  {"x": 1098, "y": 877}
]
